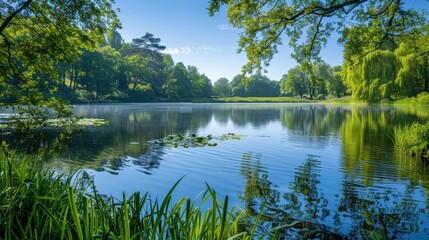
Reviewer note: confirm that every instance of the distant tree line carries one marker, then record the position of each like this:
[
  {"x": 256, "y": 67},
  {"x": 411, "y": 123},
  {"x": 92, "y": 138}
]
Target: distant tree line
[
  {"x": 135, "y": 71},
  {"x": 241, "y": 86}
]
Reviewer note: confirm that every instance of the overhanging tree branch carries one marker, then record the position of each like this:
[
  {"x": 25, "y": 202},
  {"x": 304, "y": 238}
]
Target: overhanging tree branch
[{"x": 13, "y": 14}]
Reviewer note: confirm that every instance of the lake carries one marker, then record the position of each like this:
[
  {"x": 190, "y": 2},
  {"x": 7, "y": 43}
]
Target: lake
[{"x": 333, "y": 167}]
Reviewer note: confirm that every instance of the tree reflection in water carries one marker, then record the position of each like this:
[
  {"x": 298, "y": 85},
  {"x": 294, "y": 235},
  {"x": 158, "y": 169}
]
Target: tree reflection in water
[
  {"x": 144, "y": 163},
  {"x": 379, "y": 214}
]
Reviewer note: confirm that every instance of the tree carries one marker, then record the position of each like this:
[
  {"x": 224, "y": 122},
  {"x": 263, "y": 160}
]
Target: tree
[
  {"x": 35, "y": 36},
  {"x": 295, "y": 82},
  {"x": 261, "y": 86},
  {"x": 148, "y": 42},
  {"x": 309, "y": 23},
  {"x": 201, "y": 84},
  {"x": 149, "y": 47},
  {"x": 115, "y": 40},
  {"x": 335, "y": 84},
  {"x": 222, "y": 88},
  {"x": 237, "y": 86},
  {"x": 413, "y": 54},
  {"x": 374, "y": 78},
  {"x": 98, "y": 72},
  {"x": 178, "y": 85}
]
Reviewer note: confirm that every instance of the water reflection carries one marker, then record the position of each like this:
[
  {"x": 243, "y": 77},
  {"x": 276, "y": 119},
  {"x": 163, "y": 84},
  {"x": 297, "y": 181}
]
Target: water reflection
[
  {"x": 356, "y": 187},
  {"x": 381, "y": 212}
]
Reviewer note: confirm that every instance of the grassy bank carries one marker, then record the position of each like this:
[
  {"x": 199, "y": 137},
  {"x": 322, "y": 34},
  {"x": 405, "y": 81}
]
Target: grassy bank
[
  {"x": 252, "y": 100},
  {"x": 420, "y": 99},
  {"x": 37, "y": 203}
]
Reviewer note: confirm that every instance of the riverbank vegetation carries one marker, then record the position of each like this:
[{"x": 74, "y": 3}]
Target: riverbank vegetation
[{"x": 38, "y": 203}]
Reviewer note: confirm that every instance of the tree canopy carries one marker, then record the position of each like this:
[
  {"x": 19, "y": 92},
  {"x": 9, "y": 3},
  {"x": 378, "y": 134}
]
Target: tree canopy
[
  {"x": 308, "y": 24},
  {"x": 36, "y": 36}
]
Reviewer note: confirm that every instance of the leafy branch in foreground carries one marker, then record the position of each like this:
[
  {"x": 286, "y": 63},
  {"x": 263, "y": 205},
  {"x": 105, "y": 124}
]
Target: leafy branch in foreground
[
  {"x": 36, "y": 37},
  {"x": 192, "y": 140},
  {"x": 307, "y": 25}
]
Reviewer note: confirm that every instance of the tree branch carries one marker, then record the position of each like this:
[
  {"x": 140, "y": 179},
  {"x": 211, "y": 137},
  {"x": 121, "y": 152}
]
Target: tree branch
[{"x": 11, "y": 16}]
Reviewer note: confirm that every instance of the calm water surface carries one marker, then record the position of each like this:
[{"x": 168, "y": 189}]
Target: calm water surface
[{"x": 333, "y": 167}]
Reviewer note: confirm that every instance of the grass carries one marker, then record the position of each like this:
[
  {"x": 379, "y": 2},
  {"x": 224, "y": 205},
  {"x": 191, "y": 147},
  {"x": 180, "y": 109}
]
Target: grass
[
  {"x": 252, "y": 100},
  {"x": 37, "y": 203},
  {"x": 420, "y": 99},
  {"x": 413, "y": 140}
]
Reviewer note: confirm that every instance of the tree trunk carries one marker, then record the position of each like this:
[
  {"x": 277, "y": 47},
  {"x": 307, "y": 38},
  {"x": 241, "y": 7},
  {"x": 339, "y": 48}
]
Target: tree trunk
[
  {"x": 71, "y": 76},
  {"x": 425, "y": 74}
]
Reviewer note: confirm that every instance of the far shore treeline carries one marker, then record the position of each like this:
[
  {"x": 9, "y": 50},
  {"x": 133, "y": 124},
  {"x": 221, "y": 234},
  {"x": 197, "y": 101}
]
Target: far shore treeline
[
  {"x": 139, "y": 71},
  {"x": 51, "y": 56}
]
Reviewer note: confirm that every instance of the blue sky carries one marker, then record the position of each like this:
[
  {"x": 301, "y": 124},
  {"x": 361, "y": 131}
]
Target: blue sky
[{"x": 194, "y": 38}]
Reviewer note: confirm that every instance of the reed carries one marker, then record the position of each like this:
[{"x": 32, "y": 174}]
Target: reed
[
  {"x": 413, "y": 140},
  {"x": 37, "y": 203}
]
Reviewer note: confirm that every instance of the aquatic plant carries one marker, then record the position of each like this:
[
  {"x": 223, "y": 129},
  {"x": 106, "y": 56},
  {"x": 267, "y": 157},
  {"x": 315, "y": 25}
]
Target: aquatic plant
[
  {"x": 192, "y": 140},
  {"x": 413, "y": 140}
]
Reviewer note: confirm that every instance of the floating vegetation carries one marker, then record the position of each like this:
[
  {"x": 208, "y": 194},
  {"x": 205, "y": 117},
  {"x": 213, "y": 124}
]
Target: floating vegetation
[
  {"x": 193, "y": 140},
  {"x": 80, "y": 122},
  {"x": 57, "y": 123}
]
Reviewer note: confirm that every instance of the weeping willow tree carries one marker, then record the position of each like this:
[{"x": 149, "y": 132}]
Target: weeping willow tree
[
  {"x": 413, "y": 77},
  {"x": 374, "y": 77},
  {"x": 409, "y": 79}
]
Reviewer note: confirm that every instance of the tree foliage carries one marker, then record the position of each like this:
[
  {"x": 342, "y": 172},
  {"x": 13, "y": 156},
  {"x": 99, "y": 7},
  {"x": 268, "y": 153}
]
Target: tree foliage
[
  {"x": 222, "y": 88},
  {"x": 294, "y": 83},
  {"x": 399, "y": 71},
  {"x": 36, "y": 36},
  {"x": 307, "y": 24}
]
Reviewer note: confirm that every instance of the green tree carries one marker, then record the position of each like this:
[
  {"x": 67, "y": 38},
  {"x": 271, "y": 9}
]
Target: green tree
[
  {"x": 261, "y": 86},
  {"x": 222, "y": 88},
  {"x": 178, "y": 85},
  {"x": 149, "y": 47},
  {"x": 237, "y": 86},
  {"x": 35, "y": 36},
  {"x": 374, "y": 78},
  {"x": 201, "y": 84},
  {"x": 98, "y": 71},
  {"x": 413, "y": 54},
  {"x": 295, "y": 82},
  {"x": 115, "y": 40},
  {"x": 335, "y": 84}
]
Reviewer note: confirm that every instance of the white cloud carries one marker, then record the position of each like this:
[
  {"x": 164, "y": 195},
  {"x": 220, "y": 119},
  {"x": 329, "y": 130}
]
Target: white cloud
[
  {"x": 206, "y": 48},
  {"x": 188, "y": 50},
  {"x": 180, "y": 50},
  {"x": 224, "y": 27},
  {"x": 171, "y": 51}
]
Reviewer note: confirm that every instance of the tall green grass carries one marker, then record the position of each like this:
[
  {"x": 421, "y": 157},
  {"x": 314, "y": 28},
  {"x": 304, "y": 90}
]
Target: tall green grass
[
  {"x": 413, "y": 140},
  {"x": 37, "y": 203}
]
